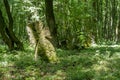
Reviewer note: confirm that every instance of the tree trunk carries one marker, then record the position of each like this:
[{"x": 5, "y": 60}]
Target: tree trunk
[
  {"x": 5, "y": 37},
  {"x": 9, "y": 31},
  {"x": 8, "y": 35},
  {"x": 51, "y": 20}
]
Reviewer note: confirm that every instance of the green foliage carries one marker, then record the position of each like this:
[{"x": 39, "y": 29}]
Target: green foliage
[
  {"x": 73, "y": 17},
  {"x": 88, "y": 16},
  {"x": 83, "y": 40}
]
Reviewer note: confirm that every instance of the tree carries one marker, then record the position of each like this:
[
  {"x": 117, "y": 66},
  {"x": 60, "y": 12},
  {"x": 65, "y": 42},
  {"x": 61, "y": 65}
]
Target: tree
[
  {"x": 51, "y": 20},
  {"x": 7, "y": 30}
]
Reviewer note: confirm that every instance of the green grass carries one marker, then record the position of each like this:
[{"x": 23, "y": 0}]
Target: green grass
[{"x": 95, "y": 63}]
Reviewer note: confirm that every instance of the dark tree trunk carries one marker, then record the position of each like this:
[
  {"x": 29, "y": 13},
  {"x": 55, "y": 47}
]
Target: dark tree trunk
[
  {"x": 7, "y": 7},
  {"x": 51, "y": 20},
  {"x": 7, "y": 30},
  {"x": 5, "y": 37}
]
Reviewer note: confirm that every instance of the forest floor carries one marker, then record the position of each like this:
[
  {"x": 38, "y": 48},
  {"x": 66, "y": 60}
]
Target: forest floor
[{"x": 94, "y": 63}]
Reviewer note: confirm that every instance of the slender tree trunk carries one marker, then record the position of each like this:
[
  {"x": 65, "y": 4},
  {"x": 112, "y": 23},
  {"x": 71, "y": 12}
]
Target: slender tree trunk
[
  {"x": 51, "y": 20},
  {"x": 9, "y": 31},
  {"x": 5, "y": 37},
  {"x": 94, "y": 19},
  {"x": 7, "y": 7}
]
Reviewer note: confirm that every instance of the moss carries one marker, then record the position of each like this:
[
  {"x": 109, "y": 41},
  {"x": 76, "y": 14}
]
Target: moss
[{"x": 40, "y": 36}]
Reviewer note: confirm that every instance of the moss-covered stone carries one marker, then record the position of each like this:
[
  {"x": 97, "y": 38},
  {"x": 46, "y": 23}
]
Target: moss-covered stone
[{"x": 41, "y": 38}]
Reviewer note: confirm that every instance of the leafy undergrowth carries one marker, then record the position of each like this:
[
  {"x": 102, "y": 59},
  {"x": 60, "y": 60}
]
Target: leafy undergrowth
[{"x": 95, "y": 63}]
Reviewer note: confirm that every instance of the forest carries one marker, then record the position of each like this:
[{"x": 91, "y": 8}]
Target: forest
[{"x": 59, "y": 39}]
